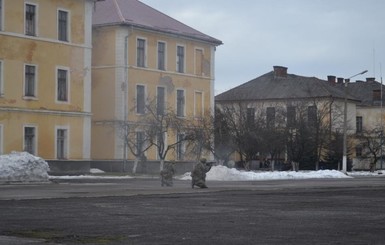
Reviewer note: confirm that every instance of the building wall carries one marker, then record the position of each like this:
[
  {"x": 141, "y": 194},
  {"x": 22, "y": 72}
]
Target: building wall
[
  {"x": 47, "y": 54},
  {"x": 111, "y": 101}
]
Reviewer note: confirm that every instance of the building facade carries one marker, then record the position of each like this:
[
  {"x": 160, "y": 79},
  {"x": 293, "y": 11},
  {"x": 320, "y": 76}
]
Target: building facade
[
  {"x": 140, "y": 56},
  {"x": 45, "y": 78}
]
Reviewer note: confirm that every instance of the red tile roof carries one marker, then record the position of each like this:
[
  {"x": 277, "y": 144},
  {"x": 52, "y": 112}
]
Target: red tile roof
[{"x": 137, "y": 14}]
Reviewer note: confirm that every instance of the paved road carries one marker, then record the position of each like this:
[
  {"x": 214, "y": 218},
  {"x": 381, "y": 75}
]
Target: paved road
[{"x": 139, "y": 211}]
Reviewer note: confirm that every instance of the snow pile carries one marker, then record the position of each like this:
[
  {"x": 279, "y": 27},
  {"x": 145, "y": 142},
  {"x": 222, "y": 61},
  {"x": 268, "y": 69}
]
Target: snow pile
[
  {"x": 367, "y": 173},
  {"x": 22, "y": 166},
  {"x": 222, "y": 173}
]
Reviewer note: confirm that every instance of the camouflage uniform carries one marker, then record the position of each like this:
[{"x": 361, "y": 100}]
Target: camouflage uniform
[
  {"x": 166, "y": 174},
  {"x": 198, "y": 175}
]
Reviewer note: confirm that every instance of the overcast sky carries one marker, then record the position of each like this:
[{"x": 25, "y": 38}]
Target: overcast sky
[{"x": 310, "y": 37}]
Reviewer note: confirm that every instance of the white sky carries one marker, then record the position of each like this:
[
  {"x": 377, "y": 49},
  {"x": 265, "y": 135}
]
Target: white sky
[{"x": 311, "y": 38}]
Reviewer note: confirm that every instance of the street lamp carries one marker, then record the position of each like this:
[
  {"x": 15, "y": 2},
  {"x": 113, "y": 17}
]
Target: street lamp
[{"x": 344, "y": 157}]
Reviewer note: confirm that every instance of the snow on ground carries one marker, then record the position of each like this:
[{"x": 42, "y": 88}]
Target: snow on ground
[
  {"x": 222, "y": 173},
  {"x": 22, "y": 166}
]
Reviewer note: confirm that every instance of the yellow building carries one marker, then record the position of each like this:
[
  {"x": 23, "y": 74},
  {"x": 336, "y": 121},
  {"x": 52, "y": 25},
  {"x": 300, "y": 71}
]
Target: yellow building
[
  {"x": 45, "y": 78},
  {"x": 140, "y": 54}
]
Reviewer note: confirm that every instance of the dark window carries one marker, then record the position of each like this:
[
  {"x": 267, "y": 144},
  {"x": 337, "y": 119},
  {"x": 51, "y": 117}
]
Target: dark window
[
  {"x": 358, "y": 124},
  {"x": 1, "y": 77},
  {"x": 140, "y": 52},
  {"x": 180, "y": 59},
  {"x": 160, "y": 100},
  {"x": 250, "y": 116},
  {"x": 180, "y": 103},
  {"x": 139, "y": 142},
  {"x": 180, "y": 146},
  {"x": 61, "y": 141},
  {"x": 63, "y": 25},
  {"x": 161, "y": 56},
  {"x": 140, "y": 99},
  {"x": 312, "y": 116},
  {"x": 358, "y": 151},
  {"x": 29, "y": 140},
  {"x": 291, "y": 116},
  {"x": 30, "y": 20},
  {"x": 270, "y": 116},
  {"x": 30, "y": 79},
  {"x": 62, "y": 85},
  {"x": 1, "y": 15}
]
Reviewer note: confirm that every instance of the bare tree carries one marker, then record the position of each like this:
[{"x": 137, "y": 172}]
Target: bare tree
[{"x": 372, "y": 143}]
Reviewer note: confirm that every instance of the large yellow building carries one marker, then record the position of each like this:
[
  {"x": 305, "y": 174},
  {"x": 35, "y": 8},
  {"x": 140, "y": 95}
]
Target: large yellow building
[
  {"x": 45, "y": 78},
  {"x": 140, "y": 54}
]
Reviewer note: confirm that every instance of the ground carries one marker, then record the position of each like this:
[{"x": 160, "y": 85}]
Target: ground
[{"x": 139, "y": 211}]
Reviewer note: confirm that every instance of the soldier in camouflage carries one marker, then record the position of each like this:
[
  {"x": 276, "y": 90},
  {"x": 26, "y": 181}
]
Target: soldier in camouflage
[
  {"x": 198, "y": 175},
  {"x": 167, "y": 174}
]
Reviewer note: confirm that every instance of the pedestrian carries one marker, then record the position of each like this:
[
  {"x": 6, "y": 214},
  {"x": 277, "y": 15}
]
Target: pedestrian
[
  {"x": 167, "y": 174},
  {"x": 198, "y": 175}
]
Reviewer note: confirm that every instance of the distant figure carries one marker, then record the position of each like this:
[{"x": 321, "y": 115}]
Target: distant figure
[
  {"x": 166, "y": 174},
  {"x": 198, "y": 175}
]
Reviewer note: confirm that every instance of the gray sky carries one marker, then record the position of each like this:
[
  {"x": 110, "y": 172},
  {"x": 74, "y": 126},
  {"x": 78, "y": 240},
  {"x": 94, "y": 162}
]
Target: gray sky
[{"x": 310, "y": 37}]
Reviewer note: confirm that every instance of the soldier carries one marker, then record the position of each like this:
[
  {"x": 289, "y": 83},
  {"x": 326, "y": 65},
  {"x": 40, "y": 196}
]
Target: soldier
[
  {"x": 166, "y": 174},
  {"x": 198, "y": 175}
]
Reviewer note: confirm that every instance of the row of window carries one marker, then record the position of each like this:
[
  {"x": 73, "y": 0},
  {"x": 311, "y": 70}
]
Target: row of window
[
  {"x": 141, "y": 54},
  {"x": 31, "y": 82},
  {"x": 161, "y": 101},
  {"x": 30, "y": 141},
  {"x": 290, "y": 116},
  {"x": 31, "y": 21}
]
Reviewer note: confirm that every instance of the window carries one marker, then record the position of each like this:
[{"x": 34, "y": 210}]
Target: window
[
  {"x": 1, "y": 15},
  {"x": 270, "y": 116},
  {"x": 139, "y": 143},
  {"x": 1, "y": 139},
  {"x": 312, "y": 116},
  {"x": 30, "y": 20},
  {"x": 180, "y": 59},
  {"x": 160, "y": 100},
  {"x": 161, "y": 56},
  {"x": 160, "y": 143},
  {"x": 140, "y": 99},
  {"x": 30, "y": 140},
  {"x": 1, "y": 77},
  {"x": 30, "y": 81},
  {"x": 250, "y": 116},
  {"x": 61, "y": 143},
  {"x": 359, "y": 151},
  {"x": 140, "y": 52},
  {"x": 291, "y": 117},
  {"x": 358, "y": 124},
  {"x": 63, "y": 25},
  {"x": 198, "y": 104},
  {"x": 180, "y": 103},
  {"x": 198, "y": 62},
  {"x": 180, "y": 147},
  {"x": 62, "y": 85}
]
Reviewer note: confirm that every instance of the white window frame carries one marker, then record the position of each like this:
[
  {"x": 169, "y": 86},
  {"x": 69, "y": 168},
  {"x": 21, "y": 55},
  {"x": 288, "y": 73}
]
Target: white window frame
[
  {"x": 165, "y": 55},
  {"x": 177, "y": 58},
  {"x": 68, "y": 25},
  {"x": 34, "y": 96},
  {"x": 144, "y": 99},
  {"x": 35, "y": 140},
  {"x": 145, "y": 52},
  {"x": 36, "y": 19},
  {"x": 1, "y": 78},
  {"x": 66, "y": 143},
  {"x": 68, "y": 85},
  {"x": 184, "y": 105}
]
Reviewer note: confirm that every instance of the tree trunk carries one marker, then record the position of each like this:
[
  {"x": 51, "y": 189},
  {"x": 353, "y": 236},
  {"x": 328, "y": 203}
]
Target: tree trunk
[
  {"x": 136, "y": 161},
  {"x": 161, "y": 164}
]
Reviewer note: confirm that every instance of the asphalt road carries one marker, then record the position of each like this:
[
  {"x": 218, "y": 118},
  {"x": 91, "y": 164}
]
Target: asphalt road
[{"x": 139, "y": 211}]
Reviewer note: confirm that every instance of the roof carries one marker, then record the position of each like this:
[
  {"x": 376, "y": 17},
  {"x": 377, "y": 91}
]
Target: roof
[
  {"x": 137, "y": 14},
  {"x": 271, "y": 87},
  {"x": 364, "y": 91}
]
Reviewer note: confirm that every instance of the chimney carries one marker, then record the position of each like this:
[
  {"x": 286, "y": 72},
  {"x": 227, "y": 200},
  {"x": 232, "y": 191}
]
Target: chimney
[
  {"x": 370, "y": 79},
  {"x": 332, "y": 79},
  {"x": 340, "y": 80},
  {"x": 280, "y": 71}
]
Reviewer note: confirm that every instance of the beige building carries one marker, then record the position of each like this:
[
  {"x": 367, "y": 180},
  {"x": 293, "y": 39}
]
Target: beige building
[
  {"x": 140, "y": 54},
  {"x": 45, "y": 78}
]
